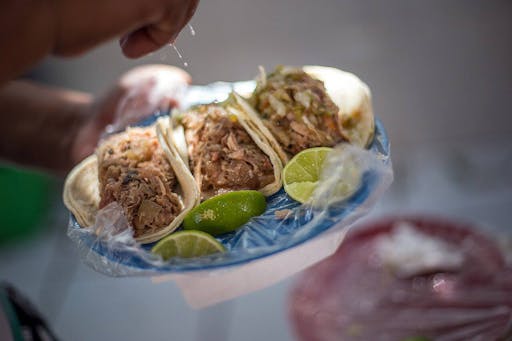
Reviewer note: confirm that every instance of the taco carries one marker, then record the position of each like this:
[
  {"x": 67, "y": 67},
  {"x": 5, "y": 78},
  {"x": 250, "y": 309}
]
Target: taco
[
  {"x": 141, "y": 171},
  {"x": 312, "y": 106},
  {"x": 225, "y": 151}
]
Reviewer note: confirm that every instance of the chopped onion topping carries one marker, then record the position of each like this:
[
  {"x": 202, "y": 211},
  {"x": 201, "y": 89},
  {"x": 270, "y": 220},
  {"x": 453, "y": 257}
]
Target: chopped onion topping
[
  {"x": 303, "y": 98},
  {"x": 277, "y": 105},
  {"x": 262, "y": 78}
]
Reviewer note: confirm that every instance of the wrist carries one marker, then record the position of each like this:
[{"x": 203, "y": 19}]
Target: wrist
[{"x": 38, "y": 124}]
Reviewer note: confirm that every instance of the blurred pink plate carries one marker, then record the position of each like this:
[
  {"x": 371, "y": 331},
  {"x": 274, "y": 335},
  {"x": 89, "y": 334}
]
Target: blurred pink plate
[{"x": 362, "y": 293}]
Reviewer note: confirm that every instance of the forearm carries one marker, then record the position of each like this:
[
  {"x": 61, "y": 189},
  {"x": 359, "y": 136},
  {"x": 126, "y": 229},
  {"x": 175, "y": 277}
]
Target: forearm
[
  {"x": 38, "y": 124},
  {"x": 27, "y": 36}
]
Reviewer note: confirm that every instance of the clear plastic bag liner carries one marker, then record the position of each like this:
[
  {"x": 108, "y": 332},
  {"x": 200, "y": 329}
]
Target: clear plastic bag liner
[
  {"x": 287, "y": 238},
  {"x": 145, "y": 97}
]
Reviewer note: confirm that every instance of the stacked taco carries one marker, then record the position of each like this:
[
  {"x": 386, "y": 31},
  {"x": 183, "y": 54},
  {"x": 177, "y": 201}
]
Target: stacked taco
[
  {"x": 141, "y": 171},
  {"x": 157, "y": 174},
  {"x": 225, "y": 151},
  {"x": 312, "y": 106}
]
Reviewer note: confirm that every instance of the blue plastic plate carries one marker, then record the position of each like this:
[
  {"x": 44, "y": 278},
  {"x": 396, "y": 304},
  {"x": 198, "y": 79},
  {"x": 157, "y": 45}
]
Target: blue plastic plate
[{"x": 263, "y": 236}]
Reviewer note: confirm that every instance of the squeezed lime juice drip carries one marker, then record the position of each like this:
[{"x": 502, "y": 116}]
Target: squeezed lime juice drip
[
  {"x": 192, "y": 31},
  {"x": 179, "y": 55}
]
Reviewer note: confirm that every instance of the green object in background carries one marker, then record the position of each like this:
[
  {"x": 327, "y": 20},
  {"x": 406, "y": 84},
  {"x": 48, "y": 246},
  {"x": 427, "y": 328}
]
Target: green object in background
[{"x": 24, "y": 199}]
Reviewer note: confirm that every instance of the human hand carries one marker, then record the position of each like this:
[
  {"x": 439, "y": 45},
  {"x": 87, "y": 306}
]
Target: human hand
[
  {"x": 144, "y": 25},
  {"x": 33, "y": 29},
  {"x": 138, "y": 93}
]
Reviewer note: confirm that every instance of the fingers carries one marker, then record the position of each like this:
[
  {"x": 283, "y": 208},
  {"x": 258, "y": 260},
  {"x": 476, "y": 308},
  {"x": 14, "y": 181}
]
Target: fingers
[
  {"x": 141, "y": 42},
  {"x": 152, "y": 37},
  {"x": 145, "y": 24}
]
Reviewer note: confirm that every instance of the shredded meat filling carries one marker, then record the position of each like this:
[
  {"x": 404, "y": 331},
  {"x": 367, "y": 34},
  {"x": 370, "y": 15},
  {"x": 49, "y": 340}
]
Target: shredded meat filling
[
  {"x": 223, "y": 156},
  {"x": 297, "y": 110},
  {"x": 135, "y": 172}
]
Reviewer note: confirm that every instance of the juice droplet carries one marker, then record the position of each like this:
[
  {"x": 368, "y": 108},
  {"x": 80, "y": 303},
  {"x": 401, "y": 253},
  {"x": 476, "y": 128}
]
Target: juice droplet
[
  {"x": 192, "y": 31},
  {"x": 177, "y": 51},
  {"x": 179, "y": 55}
]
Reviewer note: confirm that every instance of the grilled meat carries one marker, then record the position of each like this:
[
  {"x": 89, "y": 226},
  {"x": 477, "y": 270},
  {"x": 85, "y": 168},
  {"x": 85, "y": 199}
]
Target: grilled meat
[
  {"x": 135, "y": 172},
  {"x": 297, "y": 110},
  {"x": 223, "y": 156}
]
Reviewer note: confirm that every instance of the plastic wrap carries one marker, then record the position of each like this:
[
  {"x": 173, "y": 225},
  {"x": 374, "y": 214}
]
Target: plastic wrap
[
  {"x": 461, "y": 290},
  {"x": 285, "y": 239}
]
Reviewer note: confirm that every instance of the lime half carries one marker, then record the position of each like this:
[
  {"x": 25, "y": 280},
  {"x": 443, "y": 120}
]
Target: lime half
[
  {"x": 302, "y": 172},
  {"x": 187, "y": 244},
  {"x": 225, "y": 212}
]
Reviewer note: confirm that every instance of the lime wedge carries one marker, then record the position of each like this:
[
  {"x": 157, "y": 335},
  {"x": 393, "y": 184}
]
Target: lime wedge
[
  {"x": 301, "y": 174},
  {"x": 187, "y": 244},
  {"x": 301, "y": 191},
  {"x": 225, "y": 212}
]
